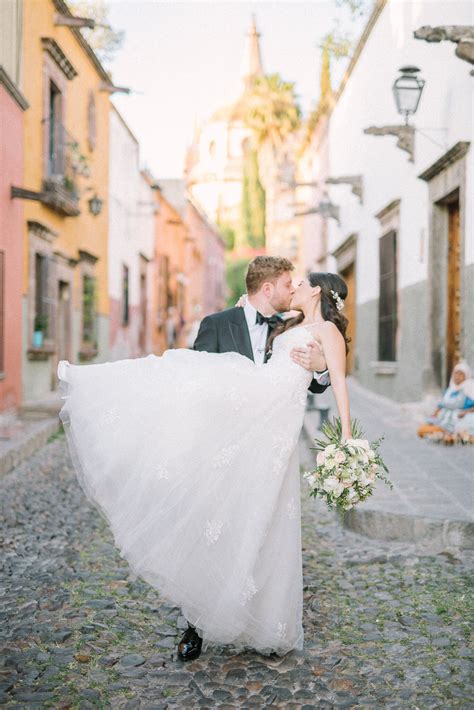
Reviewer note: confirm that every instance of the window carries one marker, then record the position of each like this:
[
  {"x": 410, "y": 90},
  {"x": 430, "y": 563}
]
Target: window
[
  {"x": 2, "y": 311},
  {"x": 388, "y": 296},
  {"x": 125, "y": 304},
  {"x": 42, "y": 315},
  {"x": 55, "y": 142},
  {"x": 89, "y": 291}
]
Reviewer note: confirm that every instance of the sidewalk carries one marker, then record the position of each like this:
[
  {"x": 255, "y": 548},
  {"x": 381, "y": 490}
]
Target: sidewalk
[
  {"x": 432, "y": 497},
  {"x": 25, "y": 431}
]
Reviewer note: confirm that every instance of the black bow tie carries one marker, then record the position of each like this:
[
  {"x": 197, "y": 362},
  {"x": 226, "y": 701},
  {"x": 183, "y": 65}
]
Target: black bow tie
[{"x": 272, "y": 321}]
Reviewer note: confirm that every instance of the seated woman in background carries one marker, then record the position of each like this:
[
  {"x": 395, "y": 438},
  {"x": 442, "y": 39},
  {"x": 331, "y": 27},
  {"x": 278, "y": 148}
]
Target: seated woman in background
[
  {"x": 464, "y": 426},
  {"x": 453, "y": 419}
]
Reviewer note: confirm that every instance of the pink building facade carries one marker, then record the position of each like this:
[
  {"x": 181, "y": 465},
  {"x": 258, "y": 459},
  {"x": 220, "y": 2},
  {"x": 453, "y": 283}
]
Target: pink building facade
[
  {"x": 12, "y": 106},
  {"x": 210, "y": 292}
]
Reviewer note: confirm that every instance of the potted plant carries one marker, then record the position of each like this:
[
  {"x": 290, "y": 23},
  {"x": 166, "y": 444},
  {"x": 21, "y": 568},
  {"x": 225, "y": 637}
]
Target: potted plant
[{"x": 40, "y": 327}]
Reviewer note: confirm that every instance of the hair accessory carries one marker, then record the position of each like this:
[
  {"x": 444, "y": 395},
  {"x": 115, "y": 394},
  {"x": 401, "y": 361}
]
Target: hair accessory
[{"x": 338, "y": 300}]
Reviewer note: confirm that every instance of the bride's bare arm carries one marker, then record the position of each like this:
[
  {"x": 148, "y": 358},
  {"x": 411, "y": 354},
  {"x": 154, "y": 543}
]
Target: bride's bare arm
[{"x": 335, "y": 352}]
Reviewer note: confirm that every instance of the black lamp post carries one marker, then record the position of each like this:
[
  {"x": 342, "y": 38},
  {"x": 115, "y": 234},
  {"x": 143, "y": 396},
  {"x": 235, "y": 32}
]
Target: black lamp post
[
  {"x": 95, "y": 205},
  {"x": 407, "y": 89}
]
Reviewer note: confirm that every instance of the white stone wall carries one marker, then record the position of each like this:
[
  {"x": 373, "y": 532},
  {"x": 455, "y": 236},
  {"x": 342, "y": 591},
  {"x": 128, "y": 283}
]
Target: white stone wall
[
  {"x": 367, "y": 100},
  {"x": 131, "y": 231}
]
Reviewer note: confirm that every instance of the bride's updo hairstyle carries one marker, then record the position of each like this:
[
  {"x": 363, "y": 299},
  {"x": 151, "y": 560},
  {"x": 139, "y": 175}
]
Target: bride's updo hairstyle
[{"x": 330, "y": 284}]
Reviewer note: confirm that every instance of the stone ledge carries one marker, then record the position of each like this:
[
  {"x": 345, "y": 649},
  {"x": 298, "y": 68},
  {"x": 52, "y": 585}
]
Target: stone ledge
[
  {"x": 410, "y": 528},
  {"x": 21, "y": 448},
  {"x": 384, "y": 367}
]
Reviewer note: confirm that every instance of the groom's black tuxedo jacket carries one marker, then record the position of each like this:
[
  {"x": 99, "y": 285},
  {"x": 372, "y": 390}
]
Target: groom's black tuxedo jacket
[{"x": 226, "y": 332}]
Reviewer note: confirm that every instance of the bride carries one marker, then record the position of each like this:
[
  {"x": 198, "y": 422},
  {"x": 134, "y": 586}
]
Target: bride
[{"x": 191, "y": 457}]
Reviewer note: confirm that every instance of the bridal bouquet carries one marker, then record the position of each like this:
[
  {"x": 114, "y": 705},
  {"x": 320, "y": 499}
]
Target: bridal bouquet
[{"x": 345, "y": 473}]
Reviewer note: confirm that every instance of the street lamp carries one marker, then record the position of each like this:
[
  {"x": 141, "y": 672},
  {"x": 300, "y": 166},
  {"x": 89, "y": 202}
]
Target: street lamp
[
  {"x": 407, "y": 89},
  {"x": 95, "y": 205}
]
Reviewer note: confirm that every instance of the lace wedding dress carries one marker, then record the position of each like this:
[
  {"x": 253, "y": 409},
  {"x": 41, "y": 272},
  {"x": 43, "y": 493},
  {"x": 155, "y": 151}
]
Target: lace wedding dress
[{"x": 192, "y": 459}]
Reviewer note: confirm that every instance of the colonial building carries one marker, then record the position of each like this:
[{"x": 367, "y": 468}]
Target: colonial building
[
  {"x": 189, "y": 264},
  {"x": 13, "y": 105},
  {"x": 64, "y": 195},
  {"x": 216, "y": 164},
  {"x": 394, "y": 215},
  {"x": 132, "y": 209},
  {"x": 215, "y": 161},
  {"x": 206, "y": 258}
]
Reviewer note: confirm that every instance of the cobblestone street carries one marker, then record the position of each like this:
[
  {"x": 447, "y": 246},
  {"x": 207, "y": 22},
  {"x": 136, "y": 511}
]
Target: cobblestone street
[{"x": 386, "y": 624}]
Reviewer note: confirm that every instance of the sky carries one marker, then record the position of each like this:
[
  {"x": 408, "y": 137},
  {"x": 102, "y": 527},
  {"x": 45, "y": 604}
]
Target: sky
[{"x": 182, "y": 61}]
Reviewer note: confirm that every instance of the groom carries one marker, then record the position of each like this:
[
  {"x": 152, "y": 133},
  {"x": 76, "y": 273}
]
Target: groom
[{"x": 246, "y": 331}]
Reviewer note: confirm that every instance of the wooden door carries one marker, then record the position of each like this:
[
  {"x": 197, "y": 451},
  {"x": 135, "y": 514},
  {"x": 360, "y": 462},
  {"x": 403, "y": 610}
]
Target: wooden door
[
  {"x": 453, "y": 292},
  {"x": 348, "y": 274}
]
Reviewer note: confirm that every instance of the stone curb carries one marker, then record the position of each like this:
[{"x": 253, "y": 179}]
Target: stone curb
[
  {"x": 27, "y": 443},
  {"x": 385, "y": 525},
  {"x": 398, "y": 526}
]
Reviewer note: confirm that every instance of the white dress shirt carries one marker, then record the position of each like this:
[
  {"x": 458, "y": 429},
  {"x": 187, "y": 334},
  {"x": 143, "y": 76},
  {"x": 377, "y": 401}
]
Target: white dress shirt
[
  {"x": 258, "y": 337},
  {"x": 258, "y": 333}
]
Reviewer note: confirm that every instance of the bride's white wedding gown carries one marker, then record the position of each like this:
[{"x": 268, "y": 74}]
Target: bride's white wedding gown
[{"x": 192, "y": 459}]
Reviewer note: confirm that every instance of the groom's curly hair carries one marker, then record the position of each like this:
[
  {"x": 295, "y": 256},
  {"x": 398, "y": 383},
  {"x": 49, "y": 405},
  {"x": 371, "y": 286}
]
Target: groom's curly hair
[{"x": 263, "y": 269}]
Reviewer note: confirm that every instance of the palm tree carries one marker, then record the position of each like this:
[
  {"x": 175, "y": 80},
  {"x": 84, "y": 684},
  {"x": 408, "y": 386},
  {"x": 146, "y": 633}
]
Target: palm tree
[{"x": 271, "y": 110}]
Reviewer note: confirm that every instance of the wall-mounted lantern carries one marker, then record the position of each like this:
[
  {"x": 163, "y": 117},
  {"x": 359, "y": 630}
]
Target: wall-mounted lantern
[
  {"x": 407, "y": 89},
  {"x": 95, "y": 205}
]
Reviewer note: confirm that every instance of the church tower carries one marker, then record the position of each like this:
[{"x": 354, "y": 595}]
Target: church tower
[
  {"x": 215, "y": 159},
  {"x": 251, "y": 66}
]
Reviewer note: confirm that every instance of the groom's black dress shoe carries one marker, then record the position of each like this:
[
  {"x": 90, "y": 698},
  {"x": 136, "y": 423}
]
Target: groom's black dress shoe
[{"x": 189, "y": 647}]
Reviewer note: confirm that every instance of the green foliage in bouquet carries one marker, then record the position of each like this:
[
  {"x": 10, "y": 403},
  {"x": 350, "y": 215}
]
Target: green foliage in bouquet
[
  {"x": 346, "y": 471},
  {"x": 333, "y": 433}
]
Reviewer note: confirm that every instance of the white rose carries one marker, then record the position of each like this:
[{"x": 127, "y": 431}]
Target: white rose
[
  {"x": 340, "y": 456},
  {"x": 365, "y": 481},
  {"x": 329, "y": 463},
  {"x": 321, "y": 458},
  {"x": 330, "y": 448},
  {"x": 358, "y": 443},
  {"x": 332, "y": 485}
]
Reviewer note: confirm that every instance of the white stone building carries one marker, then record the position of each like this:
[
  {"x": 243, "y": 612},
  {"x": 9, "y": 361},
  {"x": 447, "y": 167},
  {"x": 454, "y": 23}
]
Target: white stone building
[
  {"x": 401, "y": 230},
  {"x": 131, "y": 244}
]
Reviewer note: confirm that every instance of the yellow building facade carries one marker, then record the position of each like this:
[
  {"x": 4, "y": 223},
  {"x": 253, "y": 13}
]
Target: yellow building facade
[{"x": 65, "y": 188}]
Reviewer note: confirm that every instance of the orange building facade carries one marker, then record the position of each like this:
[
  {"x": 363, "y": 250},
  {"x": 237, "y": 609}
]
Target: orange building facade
[{"x": 189, "y": 278}]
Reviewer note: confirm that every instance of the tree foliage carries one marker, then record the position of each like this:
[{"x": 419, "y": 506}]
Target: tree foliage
[
  {"x": 252, "y": 207},
  {"x": 271, "y": 110},
  {"x": 103, "y": 39},
  {"x": 340, "y": 44},
  {"x": 235, "y": 277},
  {"x": 228, "y": 235},
  {"x": 325, "y": 97}
]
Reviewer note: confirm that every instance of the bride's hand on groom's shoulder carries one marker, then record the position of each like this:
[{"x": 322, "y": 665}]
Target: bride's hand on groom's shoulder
[
  {"x": 242, "y": 301},
  {"x": 311, "y": 357}
]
